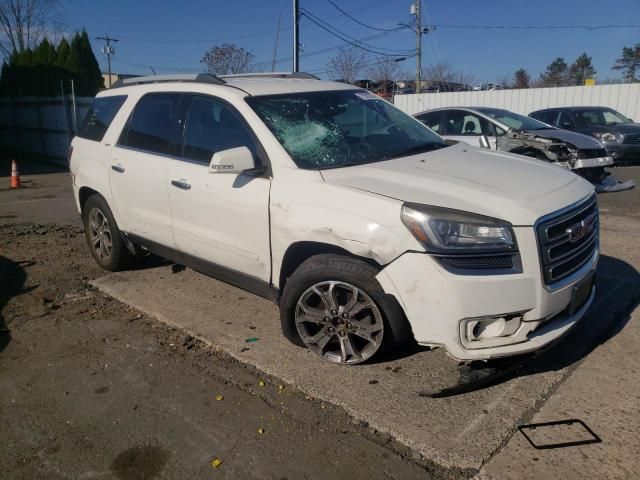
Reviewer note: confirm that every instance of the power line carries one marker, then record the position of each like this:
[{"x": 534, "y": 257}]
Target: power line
[
  {"x": 241, "y": 37},
  {"x": 349, "y": 40},
  {"x": 537, "y": 27},
  {"x": 314, "y": 18},
  {"x": 358, "y": 21}
]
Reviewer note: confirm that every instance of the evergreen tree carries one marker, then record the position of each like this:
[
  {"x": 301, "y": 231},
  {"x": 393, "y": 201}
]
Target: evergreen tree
[
  {"x": 629, "y": 63},
  {"x": 521, "y": 79},
  {"x": 555, "y": 74},
  {"x": 581, "y": 69},
  {"x": 90, "y": 76},
  {"x": 63, "y": 52}
]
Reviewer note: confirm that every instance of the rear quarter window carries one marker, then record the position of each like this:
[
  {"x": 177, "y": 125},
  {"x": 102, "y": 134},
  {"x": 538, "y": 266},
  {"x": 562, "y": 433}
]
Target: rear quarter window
[{"x": 100, "y": 115}]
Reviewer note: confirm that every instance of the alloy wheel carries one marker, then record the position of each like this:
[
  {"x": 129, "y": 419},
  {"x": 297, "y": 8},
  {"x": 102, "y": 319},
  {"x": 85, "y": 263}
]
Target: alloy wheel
[
  {"x": 100, "y": 234},
  {"x": 339, "y": 322}
]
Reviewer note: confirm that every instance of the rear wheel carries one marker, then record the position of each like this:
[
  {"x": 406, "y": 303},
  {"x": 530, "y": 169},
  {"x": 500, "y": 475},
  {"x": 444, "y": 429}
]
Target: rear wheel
[
  {"x": 103, "y": 235},
  {"x": 334, "y": 306}
]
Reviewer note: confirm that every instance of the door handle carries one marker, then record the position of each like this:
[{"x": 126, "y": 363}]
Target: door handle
[
  {"x": 117, "y": 168},
  {"x": 181, "y": 184}
]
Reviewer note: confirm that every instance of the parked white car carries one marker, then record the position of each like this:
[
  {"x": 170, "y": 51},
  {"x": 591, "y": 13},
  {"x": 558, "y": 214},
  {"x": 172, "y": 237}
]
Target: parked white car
[{"x": 361, "y": 223}]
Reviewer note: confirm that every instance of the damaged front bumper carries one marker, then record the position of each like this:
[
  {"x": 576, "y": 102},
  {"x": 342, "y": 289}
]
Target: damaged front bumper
[{"x": 519, "y": 312}]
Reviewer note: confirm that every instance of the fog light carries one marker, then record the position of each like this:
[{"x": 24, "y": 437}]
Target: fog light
[{"x": 492, "y": 327}]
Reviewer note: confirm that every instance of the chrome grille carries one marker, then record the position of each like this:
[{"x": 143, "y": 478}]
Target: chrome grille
[{"x": 568, "y": 240}]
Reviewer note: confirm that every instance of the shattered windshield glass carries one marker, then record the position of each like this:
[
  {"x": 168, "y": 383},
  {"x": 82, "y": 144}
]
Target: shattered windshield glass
[{"x": 340, "y": 128}]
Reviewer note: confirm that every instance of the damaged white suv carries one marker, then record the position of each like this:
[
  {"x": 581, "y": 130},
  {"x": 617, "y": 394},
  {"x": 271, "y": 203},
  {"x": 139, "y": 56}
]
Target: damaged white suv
[{"x": 364, "y": 225}]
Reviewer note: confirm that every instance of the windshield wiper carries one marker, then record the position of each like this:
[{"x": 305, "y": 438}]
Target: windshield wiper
[{"x": 425, "y": 147}]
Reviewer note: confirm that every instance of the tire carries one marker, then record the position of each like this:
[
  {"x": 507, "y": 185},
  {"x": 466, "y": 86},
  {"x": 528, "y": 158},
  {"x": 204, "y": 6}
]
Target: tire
[
  {"x": 346, "y": 280},
  {"x": 103, "y": 235}
]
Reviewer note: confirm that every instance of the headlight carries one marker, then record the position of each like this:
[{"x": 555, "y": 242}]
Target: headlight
[
  {"x": 445, "y": 231},
  {"x": 608, "y": 137}
]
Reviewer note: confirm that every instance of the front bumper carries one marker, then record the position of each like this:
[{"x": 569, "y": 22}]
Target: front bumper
[
  {"x": 624, "y": 154},
  {"x": 437, "y": 302}
]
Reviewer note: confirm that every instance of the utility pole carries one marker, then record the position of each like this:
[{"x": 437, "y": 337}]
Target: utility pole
[
  {"x": 108, "y": 50},
  {"x": 275, "y": 47},
  {"x": 417, "y": 11},
  {"x": 296, "y": 38}
]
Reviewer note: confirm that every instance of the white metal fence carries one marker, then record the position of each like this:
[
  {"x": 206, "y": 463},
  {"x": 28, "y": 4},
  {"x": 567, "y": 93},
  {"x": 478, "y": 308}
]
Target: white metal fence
[
  {"x": 43, "y": 126},
  {"x": 624, "y": 97}
]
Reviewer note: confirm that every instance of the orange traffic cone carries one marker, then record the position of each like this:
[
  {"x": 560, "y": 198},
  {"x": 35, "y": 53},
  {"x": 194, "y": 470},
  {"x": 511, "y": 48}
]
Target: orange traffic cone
[{"x": 15, "y": 176}]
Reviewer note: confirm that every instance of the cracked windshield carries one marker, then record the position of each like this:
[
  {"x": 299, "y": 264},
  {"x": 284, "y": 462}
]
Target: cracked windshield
[{"x": 340, "y": 128}]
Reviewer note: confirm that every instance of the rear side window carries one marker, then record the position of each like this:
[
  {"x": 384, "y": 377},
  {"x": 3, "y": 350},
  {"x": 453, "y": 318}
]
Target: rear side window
[
  {"x": 100, "y": 115},
  {"x": 431, "y": 120},
  {"x": 213, "y": 126},
  {"x": 155, "y": 124}
]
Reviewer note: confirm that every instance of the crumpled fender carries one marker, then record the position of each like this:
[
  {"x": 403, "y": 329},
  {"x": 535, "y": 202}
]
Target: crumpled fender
[{"x": 337, "y": 216}]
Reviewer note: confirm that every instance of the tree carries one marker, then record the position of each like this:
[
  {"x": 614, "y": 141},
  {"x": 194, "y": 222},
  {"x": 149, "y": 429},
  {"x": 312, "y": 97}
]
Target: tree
[
  {"x": 629, "y": 63},
  {"x": 62, "y": 53},
  {"x": 23, "y": 23},
  {"x": 384, "y": 72},
  {"x": 581, "y": 69},
  {"x": 227, "y": 59},
  {"x": 442, "y": 73},
  {"x": 347, "y": 65},
  {"x": 521, "y": 79},
  {"x": 555, "y": 74}
]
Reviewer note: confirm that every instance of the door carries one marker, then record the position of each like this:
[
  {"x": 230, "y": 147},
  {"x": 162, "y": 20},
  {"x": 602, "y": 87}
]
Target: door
[
  {"x": 219, "y": 218},
  {"x": 139, "y": 166},
  {"x": 467, "y": 127}
]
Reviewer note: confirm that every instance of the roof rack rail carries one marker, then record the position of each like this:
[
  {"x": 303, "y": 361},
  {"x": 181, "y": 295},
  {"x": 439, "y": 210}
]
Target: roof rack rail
[
  {"x": 188, "y": 77},
  {"x": 302, "y": 75}
]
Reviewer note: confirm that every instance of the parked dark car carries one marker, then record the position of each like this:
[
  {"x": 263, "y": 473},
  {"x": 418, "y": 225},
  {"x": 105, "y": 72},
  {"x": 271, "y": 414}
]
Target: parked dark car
[{"x": 620, "y": 135}]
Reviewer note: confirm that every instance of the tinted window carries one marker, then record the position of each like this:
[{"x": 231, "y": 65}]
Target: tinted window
[
  {"x": 600, "y": 116},
  {"x": 155, "y": 124},
  {"x": 546, "y": 117},
  {"x": 100, "y": 116},
  {"x": 213, "y": 126},
  {"x": 565, "y": 121},
  {"x": 431, "y": 120}
]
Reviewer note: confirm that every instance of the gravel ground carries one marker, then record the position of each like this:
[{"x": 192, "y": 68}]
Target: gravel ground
[{"x": 90, "y": 388}]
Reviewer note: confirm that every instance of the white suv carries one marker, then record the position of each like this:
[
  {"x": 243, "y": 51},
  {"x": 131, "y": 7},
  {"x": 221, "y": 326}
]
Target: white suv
[{"x": 360, "y": 222}]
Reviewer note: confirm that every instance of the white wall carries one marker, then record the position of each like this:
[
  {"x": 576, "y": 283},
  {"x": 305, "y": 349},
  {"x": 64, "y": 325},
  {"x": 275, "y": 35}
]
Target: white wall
[{"x": 625, "y": 98}]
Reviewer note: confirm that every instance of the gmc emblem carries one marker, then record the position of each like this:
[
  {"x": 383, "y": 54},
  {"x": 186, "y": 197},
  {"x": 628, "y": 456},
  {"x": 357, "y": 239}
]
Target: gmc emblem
[{"x": 581, "y": 229}]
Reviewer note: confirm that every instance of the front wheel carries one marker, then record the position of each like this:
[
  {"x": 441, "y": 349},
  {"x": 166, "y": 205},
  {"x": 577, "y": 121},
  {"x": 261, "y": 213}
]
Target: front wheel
[{"x": 334, "y": 306}]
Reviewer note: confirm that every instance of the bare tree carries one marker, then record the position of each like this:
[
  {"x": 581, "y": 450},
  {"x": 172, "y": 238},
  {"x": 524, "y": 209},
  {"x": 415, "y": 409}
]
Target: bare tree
[
  {"x": 347, "y": 65},
  {"x": 23, "y": 23},
  {"x": 227, "y": 59},
  {"x": 384, "y": 71},
  {"x": 444, "y": 73}
]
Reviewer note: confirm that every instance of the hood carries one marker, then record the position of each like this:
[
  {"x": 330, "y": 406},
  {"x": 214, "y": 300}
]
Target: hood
[
  {"x": 510, "y": 187},
  {"x": 578, "y": 140}
]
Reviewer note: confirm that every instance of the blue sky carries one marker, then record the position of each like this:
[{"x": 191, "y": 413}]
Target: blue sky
[{"x": 172, "y": 36}]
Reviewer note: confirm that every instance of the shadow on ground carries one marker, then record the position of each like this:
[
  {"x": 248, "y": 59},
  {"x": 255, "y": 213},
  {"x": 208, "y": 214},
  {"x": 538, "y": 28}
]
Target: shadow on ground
[
  {"x": 27, "y": 165},
  {"x": 617, "y": 295},
  {"x": 12, "y": 280}
]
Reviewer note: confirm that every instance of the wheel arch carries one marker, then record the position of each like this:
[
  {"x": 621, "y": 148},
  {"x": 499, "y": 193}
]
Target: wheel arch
[{"x": 299, "y": 252}]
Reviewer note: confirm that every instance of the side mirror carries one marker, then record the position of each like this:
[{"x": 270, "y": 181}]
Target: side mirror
[
  {"x": 484, "y": 142},
  {"x": 234, "y": 160},
  {"x": 567, "y": 125}
]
